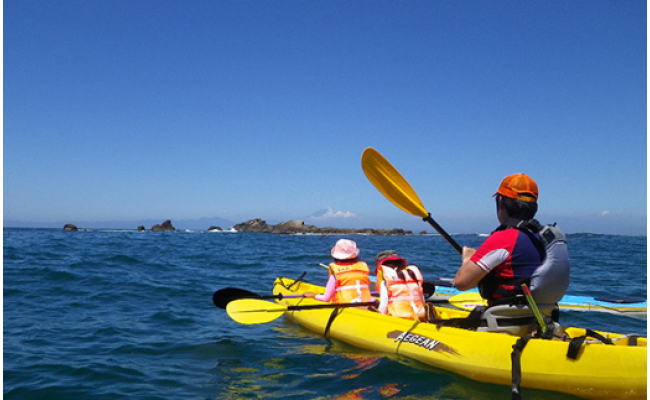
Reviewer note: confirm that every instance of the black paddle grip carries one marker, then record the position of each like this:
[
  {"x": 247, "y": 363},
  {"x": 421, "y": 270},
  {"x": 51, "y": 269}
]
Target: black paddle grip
[{"x": 444, "y": 234}]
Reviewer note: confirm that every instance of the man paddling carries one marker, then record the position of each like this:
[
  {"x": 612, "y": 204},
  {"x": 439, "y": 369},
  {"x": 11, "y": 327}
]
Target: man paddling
[{"x": 513, "y": 253}]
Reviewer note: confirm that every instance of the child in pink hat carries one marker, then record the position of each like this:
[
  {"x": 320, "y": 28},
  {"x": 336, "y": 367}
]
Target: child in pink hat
[
  {"x": 349, "y": 280},
  {"x": 345, "y": 249}
]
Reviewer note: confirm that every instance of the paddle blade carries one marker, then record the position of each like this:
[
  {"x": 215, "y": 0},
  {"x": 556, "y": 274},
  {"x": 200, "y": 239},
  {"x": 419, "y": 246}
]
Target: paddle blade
[
  {"x": 467, "y": 301},
  {"x": 254, "y": 311},
  {"x": 390, "y": 183},
  {"x": 428, "y": 288},
  {"x": 221, "y": 298}
]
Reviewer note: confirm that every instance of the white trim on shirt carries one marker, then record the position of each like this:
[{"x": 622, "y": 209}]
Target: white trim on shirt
[{"x": 492, "y": 259}]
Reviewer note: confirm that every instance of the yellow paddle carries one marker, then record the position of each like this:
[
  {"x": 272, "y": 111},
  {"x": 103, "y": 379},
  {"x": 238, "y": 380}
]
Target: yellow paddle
[
  {"x": 396, "y": 189},
  {"x": 467, "y": 301},
  {"x": 255, "y": 311}
]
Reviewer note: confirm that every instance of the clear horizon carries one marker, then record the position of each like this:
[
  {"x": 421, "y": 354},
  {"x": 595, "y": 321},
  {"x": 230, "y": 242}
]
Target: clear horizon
[{"x": 569, "y": 225}]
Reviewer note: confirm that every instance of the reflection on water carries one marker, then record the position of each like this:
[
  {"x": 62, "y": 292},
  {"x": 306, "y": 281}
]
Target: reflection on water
[{"x": 363, "y": 364}]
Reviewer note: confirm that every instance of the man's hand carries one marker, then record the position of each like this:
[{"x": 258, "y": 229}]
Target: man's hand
[{"x": 468, "y": 252}]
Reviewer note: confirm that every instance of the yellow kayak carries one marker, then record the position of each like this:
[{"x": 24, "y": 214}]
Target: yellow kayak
[{"x": 600, "y": 371}]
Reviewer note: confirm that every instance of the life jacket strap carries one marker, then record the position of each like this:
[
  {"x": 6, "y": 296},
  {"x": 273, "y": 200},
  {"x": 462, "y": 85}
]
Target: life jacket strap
[
  {"x": 351, "y": 287},
  {"x": 406, "y": 297}
]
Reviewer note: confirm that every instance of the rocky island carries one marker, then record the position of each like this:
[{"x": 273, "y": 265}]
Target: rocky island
[
  {"x": 164, "y": 227},
  {"x": 259, "y": 225}
]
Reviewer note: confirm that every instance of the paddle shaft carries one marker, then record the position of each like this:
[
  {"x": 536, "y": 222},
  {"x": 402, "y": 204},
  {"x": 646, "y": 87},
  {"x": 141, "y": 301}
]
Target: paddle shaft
[
  {"x": 334, "y": 305},
  {"x": 222, "y": 297},
  {"x": 444, "y": 234},
  {"x": 282, "y": 296},
  {"x": 256, "y": 311}
]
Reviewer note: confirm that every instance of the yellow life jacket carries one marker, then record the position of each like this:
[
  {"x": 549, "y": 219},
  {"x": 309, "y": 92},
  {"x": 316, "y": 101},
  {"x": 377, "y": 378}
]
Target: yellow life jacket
[
  {"x": 352, "y": 282},
  {"x": 405, "y": 296}
]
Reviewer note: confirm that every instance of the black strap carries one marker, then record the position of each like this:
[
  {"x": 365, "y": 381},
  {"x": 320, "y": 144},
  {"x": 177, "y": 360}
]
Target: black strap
[
  {"x": 536, "y": 241},
  {"x": 297, "y": 280},
  {"x": 333, "y": 315},
  {"x": 284, "y": 285},
  {"x": 515, "y": 358},
  {"x": 576, "y": 343},
  {"x": 517, "y": 300}
]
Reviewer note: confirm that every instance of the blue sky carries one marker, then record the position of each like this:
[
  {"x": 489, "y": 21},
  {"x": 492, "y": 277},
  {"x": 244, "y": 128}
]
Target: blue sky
[{"x": 131, "y": 110}]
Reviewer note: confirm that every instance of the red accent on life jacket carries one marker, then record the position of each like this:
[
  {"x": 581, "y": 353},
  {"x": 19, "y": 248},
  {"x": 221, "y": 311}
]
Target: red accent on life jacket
[{"x": 405, "y": 296}]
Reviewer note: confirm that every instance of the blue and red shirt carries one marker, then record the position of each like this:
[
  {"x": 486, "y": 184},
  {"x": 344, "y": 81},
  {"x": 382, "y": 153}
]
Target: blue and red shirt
[{"x": 510, "y": 256}]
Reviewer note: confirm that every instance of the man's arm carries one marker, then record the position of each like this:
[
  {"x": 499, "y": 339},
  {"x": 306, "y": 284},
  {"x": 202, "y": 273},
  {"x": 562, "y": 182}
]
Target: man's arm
[{"x": 469, "y": 274}]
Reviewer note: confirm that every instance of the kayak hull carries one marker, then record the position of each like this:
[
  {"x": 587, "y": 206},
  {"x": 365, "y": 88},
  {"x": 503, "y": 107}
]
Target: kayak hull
[{"x": 600, "y": 372}]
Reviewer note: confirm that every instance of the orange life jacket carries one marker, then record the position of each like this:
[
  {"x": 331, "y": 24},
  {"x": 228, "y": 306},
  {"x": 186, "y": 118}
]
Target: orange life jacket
[
  {"x": 352, "y": 281},
  {"x": 405, "y": 296}
]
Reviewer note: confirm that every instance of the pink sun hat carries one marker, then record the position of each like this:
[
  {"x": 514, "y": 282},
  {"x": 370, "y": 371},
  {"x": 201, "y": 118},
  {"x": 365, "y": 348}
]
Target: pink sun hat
[{"x": 345, "y": 249}]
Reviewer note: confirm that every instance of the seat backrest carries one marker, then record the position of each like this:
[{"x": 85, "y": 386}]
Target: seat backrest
[
  {"x": 515, "y": 320},
  {"x": 550, "y": 281}
]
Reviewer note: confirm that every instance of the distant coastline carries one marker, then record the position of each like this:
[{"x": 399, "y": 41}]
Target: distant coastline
[
  {"x": 357, "y": 232},
  {"x": 570, "y": 226},
  {"x": 259, "y": 225},
  {"x": 299, "y": 227}
]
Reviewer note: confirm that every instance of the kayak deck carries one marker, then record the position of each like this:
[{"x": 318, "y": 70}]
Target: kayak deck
[
  {"x": 600, "y": 371},
  {"x": 572, "y": 303}
]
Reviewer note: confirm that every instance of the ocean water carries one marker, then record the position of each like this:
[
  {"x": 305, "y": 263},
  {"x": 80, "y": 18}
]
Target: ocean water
[{"x": 129, "y": 315}]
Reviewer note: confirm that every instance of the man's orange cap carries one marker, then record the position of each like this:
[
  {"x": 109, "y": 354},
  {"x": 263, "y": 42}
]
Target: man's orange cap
[{"x": 519, "y": 187}]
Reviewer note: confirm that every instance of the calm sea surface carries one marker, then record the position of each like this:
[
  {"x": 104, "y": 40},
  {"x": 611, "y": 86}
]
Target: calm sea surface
[{"x": 128, "y": 315}]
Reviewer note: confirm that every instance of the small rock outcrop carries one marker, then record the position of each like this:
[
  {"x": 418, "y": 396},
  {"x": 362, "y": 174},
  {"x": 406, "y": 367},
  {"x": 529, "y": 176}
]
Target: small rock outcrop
[
  {"x": 258, "y": 225},
  {"x": 70, "y": 227},
  {"x": 214, "y": 229},
  {"x": 164, "y": 227},
  {"x": 141, "y": 228}
]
